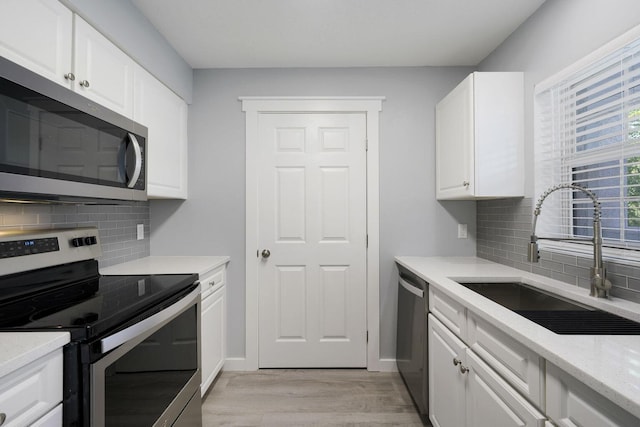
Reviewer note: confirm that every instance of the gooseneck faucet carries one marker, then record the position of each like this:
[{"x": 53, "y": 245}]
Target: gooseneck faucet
[{"x": 600, "y": 285}]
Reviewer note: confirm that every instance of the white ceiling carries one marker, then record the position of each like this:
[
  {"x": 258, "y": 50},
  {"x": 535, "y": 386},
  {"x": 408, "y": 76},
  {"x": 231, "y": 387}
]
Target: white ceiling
[{"x": 335, "y": 33}]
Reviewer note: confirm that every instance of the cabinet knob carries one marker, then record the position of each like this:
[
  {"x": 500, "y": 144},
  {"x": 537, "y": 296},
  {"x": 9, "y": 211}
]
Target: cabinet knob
[
  {"x": 84, "y": 83},
  {"x": 3, "y": 417},
  {"x": 70, "y": 76},
  {"x": 456, "y": 361},
  {"x": 266, "y": 253},
  {"x": 464, "y": 183},
  {"x": 463, "y": 369},
  {"x": 212, "y": 283}
]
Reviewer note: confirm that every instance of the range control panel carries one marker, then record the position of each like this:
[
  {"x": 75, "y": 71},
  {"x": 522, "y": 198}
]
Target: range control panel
[
  {"x": 24, "y": 250},
  {"x": 14, "y": 248}
]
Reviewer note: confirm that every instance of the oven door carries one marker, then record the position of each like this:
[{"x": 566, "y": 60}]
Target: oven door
[{"x": 150, "y": 372}]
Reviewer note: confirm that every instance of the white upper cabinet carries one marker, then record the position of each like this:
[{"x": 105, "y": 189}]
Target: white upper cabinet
[
  {"x": 47, "y": 38},
  {"x": 480, "y": 138},
  {"x": 38, "y": 35},
  {"x": 165, "y": 115},
  {"x": 103, "y": 72}
]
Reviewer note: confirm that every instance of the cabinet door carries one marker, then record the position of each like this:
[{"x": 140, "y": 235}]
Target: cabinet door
[
  {"x": 37, "y": 34},
  {"x": 213, "y": 337},
  {"x": 52, "y": 419},
  {"x": 446, "y": 381},
  {"x": 455, "y": 143},
  {"x": 571, "y": 403},
  {"x": 29, "y": 392},
  {"x": 103, "y": 72},
  {"x": 493, "y": 402},
  {"x": 165, "y": 115}
]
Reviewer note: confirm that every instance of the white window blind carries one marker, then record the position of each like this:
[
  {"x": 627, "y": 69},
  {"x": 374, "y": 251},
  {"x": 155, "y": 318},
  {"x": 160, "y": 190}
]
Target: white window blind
[{"x": 588, "y": 133}]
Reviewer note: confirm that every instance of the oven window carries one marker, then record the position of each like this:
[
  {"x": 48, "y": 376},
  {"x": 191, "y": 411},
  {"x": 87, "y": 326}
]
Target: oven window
[{"x": 140, "y": 385}]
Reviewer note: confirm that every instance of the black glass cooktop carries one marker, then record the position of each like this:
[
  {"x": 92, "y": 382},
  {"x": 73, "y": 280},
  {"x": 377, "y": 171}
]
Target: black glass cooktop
[{"x": 76, "y": 298}]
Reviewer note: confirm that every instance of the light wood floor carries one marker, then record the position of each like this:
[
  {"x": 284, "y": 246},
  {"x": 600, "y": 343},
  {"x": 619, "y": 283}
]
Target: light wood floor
[{"x": 309, "y": 397}]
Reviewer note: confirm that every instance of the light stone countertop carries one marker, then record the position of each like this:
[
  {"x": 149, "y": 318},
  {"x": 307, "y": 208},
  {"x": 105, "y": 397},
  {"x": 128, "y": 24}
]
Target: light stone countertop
[
  {"x": 18, "y": 349},
  {"x": 608, "y": 364},
  {"x": 167, "y": 265}
]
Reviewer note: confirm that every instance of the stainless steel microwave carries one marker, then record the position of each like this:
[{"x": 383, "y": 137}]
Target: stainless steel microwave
[{"x": 57, "y": 145}]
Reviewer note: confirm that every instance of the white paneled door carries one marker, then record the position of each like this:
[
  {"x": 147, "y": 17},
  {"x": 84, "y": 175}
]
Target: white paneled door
[{"x": 312, "y": 288}]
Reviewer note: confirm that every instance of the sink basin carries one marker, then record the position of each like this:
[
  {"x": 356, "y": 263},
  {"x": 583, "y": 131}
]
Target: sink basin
[{"x": 555, "y": 313}]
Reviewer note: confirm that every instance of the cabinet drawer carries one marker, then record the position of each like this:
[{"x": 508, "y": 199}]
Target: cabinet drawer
[
  {"x": 520, "y": 366},
  {"x": 570, "y": 402},
  {"x": 213, "y": 280},
  {"x": 448, "y": 311},
  {"x": 31, "y": 391}
]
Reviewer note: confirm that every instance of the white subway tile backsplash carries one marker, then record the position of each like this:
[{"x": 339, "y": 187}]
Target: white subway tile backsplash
[
  {"x": 116, "y": 224},
  {"x": 503, "y": 231}
]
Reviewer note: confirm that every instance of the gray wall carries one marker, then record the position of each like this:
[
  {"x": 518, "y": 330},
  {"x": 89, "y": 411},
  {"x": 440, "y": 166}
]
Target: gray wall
[
  {"x": 412, "y": 222},
  {"x": 128, "y": 28},
  {"x": 116, "y": 224},
  {"x": 558, "y": 34}
]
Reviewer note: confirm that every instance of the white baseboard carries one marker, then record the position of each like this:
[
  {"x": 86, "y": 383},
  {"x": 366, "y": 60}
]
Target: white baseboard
[
  {"x": 385, "y": 365},
  {"x": 236, "y": 364},
  {"x": 240, "y": 364}
]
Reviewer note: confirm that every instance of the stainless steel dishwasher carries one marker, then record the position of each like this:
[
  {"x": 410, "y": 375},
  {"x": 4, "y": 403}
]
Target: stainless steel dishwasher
[{"x": 411, "y": 342}]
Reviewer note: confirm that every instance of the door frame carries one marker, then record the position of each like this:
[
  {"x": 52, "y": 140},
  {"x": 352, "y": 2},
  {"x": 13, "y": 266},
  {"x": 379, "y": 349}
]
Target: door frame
[{"x": 253, "y": 107}]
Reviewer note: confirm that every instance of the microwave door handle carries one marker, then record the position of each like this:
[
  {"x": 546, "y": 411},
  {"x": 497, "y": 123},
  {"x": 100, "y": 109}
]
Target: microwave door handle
[{"x": 138, "y": 155}]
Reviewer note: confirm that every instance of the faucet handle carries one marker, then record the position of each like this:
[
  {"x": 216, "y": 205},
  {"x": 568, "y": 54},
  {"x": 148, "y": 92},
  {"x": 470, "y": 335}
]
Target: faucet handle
[{"x": 533, "y": 255}]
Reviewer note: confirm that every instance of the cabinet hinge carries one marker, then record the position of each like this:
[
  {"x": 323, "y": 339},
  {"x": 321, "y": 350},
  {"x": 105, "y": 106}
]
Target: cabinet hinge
[
  {"x": 257, "y": 253},
  {"x": 366, "y": 145},
  {"x": 367, "y": 336},
  {"x": 367, "y": 242}
]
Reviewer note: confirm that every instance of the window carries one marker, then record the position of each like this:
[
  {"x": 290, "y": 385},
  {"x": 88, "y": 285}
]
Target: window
[{"x": 588, "y": 133}]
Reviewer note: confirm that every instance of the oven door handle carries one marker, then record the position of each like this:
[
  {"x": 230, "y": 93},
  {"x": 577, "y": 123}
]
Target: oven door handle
[{"x": 150, "y": 323}]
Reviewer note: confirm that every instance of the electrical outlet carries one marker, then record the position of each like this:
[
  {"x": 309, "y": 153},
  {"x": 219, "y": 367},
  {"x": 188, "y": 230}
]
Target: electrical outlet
[
  {"x": 140, "y": 230},
  {"x": 462, "y": 231}
]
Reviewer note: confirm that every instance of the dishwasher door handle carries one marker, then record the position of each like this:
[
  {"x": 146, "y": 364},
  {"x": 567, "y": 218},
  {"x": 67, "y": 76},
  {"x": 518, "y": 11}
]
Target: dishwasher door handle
[{"x": 409, "y": 287}]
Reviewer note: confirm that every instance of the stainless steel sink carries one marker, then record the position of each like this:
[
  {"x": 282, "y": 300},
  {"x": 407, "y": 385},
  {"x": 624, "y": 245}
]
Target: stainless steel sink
[{"x": 555, "y": 313}]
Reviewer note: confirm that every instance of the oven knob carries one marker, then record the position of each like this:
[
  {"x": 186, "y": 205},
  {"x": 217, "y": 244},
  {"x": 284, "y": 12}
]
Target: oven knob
[
  {"x": 91, "y": 240},
  {"x": 77, "y": 242}
]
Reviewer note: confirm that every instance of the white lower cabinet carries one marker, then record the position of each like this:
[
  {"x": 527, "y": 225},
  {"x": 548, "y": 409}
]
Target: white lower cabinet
[
  {"x": 53, "y": 418},
  {"x": 571, "y": 403},
  {"x": 447, "y": 394},
  {"x": 32, "y": 393},
  {"x": 465, "y": 391},
  {"x": 213, "y": 326}
]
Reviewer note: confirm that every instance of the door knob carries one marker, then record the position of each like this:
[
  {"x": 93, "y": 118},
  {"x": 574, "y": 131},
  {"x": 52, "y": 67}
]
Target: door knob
[{"x": 266, "y": 253}]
